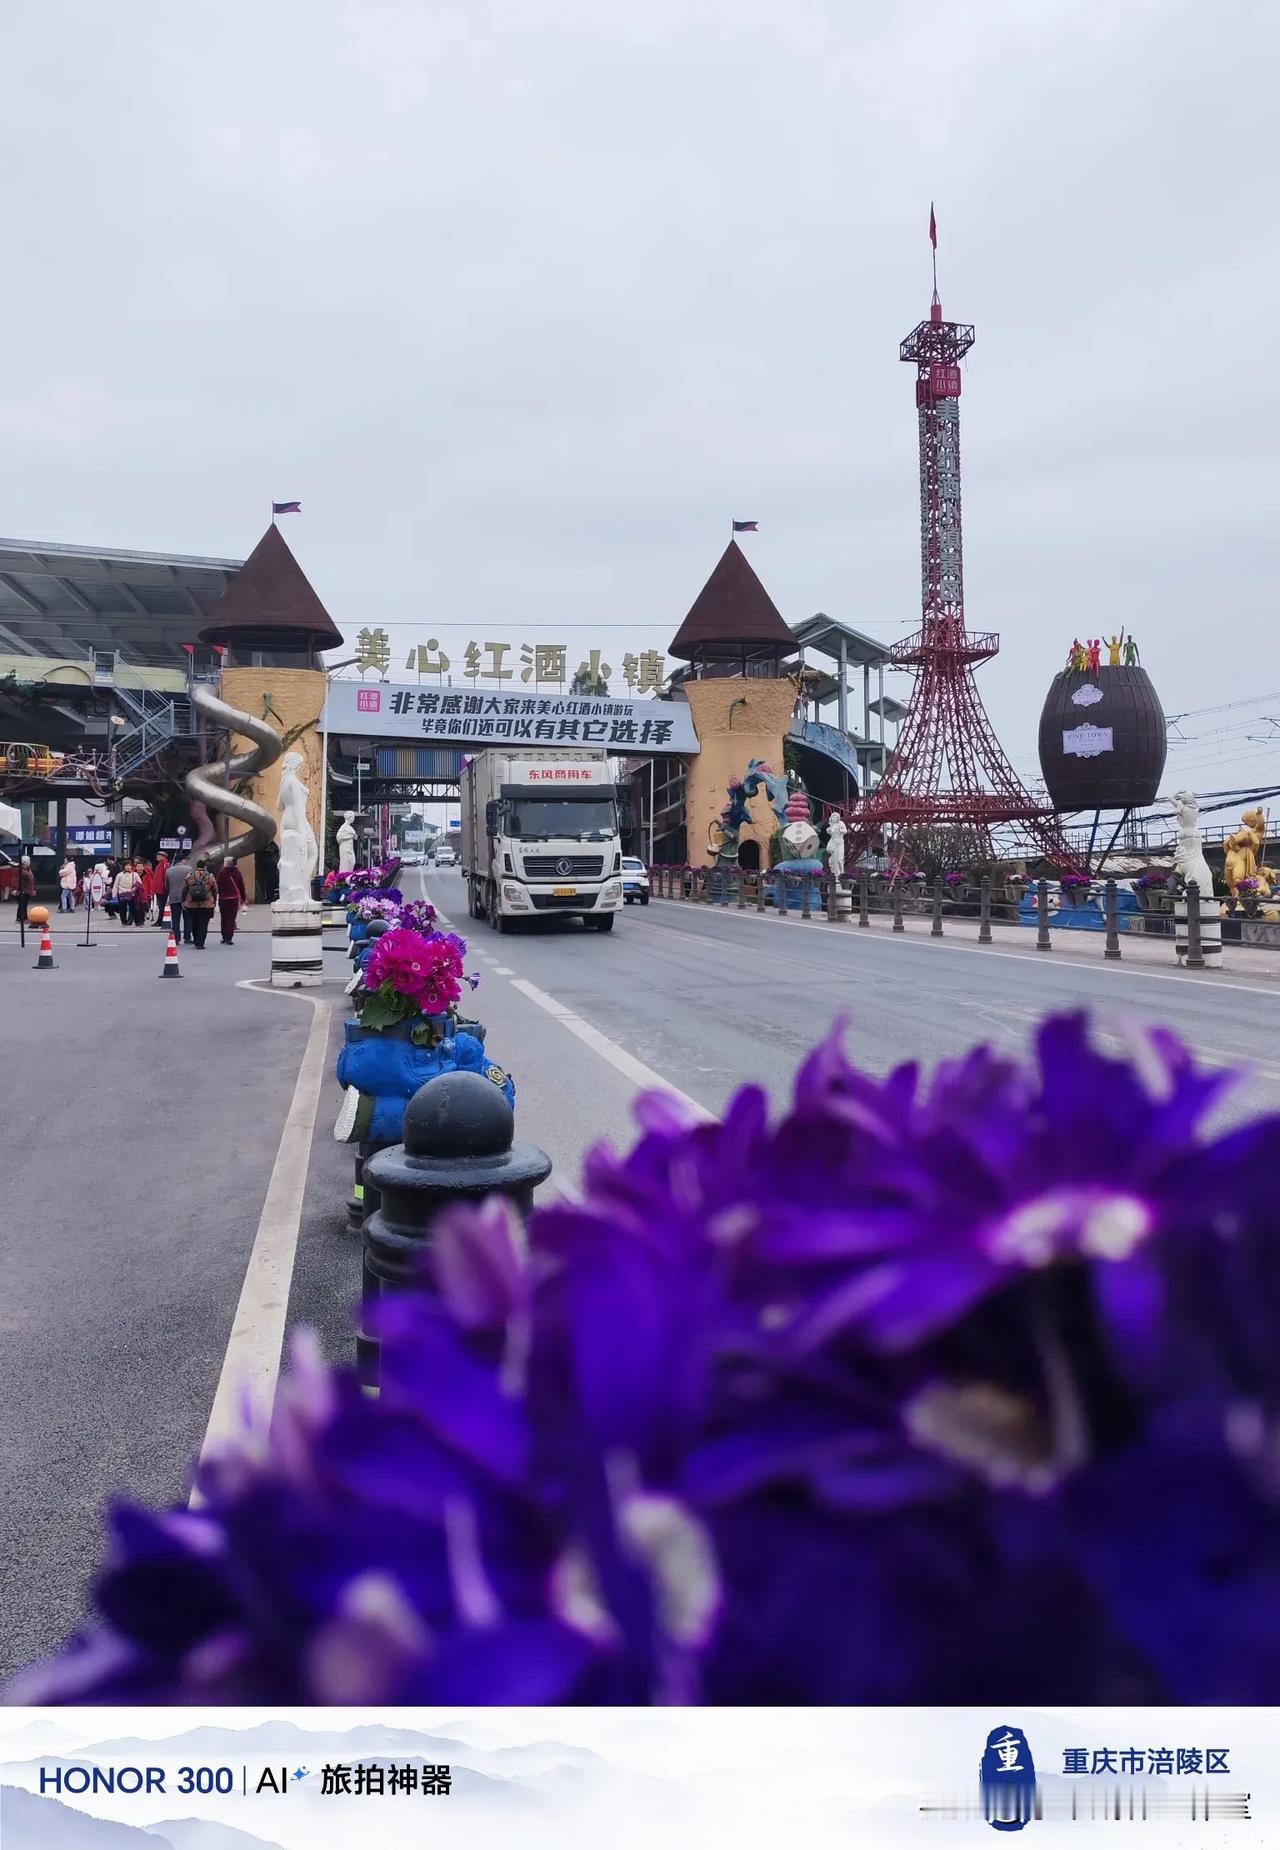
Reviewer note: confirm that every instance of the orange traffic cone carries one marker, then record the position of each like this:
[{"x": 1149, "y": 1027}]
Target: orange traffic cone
[
  {"x": 171, "y": 958},
  {"x": 166, "y": 917},
  {"x": 45, "y": 960}
]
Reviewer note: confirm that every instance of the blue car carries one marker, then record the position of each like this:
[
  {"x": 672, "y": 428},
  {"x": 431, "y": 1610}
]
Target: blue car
[{"x": 635, "y": 880}]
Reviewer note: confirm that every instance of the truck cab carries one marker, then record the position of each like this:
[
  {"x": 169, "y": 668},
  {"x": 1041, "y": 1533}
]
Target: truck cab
[{"x": 540, "y": 835}]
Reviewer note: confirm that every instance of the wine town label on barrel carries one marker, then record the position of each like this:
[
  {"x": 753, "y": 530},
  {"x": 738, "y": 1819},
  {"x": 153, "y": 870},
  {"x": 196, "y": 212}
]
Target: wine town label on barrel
[{"x": 1087, "y": 741}]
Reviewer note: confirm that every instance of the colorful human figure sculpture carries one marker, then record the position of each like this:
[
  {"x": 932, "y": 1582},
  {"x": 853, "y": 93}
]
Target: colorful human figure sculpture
[
  {"x": 1082, "y": 658},
  {"x": 1130, "y": 652},
  {"x": 1073, "y": 655},
  {"x": 1240, "y": 851},
  {"x": 1114, "y": 646},
  {"x": 1095, "y": 655}
]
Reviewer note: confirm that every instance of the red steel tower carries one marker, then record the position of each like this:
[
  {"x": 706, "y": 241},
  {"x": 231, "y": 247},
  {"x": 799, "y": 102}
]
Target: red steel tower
[{"x": 948, "y": 785}]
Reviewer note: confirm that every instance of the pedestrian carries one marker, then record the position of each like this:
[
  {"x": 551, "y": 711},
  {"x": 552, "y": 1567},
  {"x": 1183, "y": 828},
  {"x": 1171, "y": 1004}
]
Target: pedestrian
[
  {"x": 160, "y": 885},
  {"x": 199, "y": 893},
  {"x": 267, "y": 873},
  {"x": 122, "y": 891},
  {"x": 175, "y": 880},
  {"x": 26, "y": 888},
  {"x": 67, "y": 886},
  {"x": 231, "y": 896},
  {"x": 141, "y": 893}
]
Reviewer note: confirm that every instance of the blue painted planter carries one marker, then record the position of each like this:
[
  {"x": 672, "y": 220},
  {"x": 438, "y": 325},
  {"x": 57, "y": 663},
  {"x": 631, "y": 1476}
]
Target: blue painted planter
[{"x": 385, "y": 1067}]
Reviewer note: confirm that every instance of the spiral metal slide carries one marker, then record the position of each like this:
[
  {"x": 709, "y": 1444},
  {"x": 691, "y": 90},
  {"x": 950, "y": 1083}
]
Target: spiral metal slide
[{"x": 208, "y": 783}]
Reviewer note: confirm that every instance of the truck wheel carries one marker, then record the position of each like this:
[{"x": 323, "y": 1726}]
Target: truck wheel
[
  {"x": 644, "y": 899},
  {"x": 604, "y": 922}
]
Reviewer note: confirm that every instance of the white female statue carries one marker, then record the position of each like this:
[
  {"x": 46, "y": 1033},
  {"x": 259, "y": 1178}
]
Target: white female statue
[
  {"x": 347, "y": 843},
  {"x": 1188, "y": 856},
  {"x": 836, "y": 832},
  {"x": 299, "y": 854}
]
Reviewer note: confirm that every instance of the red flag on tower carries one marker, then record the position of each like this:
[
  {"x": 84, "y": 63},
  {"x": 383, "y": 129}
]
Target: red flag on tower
[{"x": 933, "y": 227}]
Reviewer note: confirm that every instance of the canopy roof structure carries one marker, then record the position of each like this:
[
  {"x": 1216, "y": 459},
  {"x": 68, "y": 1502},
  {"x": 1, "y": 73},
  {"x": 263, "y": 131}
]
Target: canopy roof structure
[
  {"x": 840, "y": 641},
  {"x": 68, "y": 601},
  {"x": 732, "y": 616}
]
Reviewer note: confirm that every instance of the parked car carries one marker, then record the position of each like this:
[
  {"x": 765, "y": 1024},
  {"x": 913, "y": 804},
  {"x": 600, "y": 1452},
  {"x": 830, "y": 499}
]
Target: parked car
[
  {"x": 635, "y": 880},
  {"x": 445, "y": 857},
  {"x": 8, "y": 875}
]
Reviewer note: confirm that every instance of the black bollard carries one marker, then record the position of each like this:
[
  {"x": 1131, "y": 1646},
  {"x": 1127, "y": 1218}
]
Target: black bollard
[
  {"x": 833, "y": 888},
  {"x": 806, "y": 890},
  {"x": 780, "y": 889},
  {"x": 935, "y": 930},
  {"x": 898, "y": 924},
  {"x": 363, "y": 1198},
  {"x": 984, "y": 910},
  {"x": 741, "y": 880},
  {"x": 458, "y": 1147},
  {"x": 1195, "y": 951},
  {"x": 1109, "y": 914},
  {"x": 1043, "y": 940},
  {"x": 759, "y": 889},
  {"x": 864, "y": 901}
]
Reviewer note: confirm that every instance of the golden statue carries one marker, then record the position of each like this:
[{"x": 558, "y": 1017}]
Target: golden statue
[
  {"x": 1241, "y": 850},
  {"x": 1114, "y": 646}
]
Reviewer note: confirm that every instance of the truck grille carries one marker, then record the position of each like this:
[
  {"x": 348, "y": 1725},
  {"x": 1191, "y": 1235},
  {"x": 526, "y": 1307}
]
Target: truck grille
[{"x": 563, "y": 866}]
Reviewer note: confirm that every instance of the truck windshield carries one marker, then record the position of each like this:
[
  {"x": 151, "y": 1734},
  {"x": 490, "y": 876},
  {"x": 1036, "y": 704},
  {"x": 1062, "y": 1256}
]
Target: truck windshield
[{"x": 541, "y": 818}]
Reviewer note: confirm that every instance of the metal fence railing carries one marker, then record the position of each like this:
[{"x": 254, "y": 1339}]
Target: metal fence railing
[{"x": 1105, "y": 907}]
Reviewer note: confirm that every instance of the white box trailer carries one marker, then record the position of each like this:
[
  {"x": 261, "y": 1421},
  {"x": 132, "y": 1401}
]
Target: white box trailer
[{"x": 540, "y": 835}]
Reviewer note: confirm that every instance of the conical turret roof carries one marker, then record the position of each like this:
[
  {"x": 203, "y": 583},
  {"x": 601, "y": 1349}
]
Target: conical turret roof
[
  {"x": 270, "y": 603},
  {"x": 731, "y": 611}
]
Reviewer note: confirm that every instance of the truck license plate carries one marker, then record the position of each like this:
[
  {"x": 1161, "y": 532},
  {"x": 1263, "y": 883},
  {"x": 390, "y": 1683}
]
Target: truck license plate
[{"x": 563, "y": 892}]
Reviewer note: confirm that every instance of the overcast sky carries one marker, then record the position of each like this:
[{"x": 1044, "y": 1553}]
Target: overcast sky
[{"x": 525, "y": 300}]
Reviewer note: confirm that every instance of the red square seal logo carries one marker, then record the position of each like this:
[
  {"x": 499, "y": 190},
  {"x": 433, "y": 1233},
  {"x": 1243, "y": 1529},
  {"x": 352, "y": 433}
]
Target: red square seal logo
[{"x": 369, "y": 700}]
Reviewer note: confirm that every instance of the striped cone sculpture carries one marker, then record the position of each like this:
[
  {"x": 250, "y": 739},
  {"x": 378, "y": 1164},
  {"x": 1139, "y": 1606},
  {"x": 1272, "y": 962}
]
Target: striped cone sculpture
[{"x": 45, "y": 960}]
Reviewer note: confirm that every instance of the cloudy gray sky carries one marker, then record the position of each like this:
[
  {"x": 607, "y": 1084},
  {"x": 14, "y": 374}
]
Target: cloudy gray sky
[{"x": 526, "y": 298}]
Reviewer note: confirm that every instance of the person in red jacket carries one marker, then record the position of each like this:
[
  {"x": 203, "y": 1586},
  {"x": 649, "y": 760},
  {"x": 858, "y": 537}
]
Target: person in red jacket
[
  {"x": 231, "y": 896},
  {"x": 160, "y": 885}
]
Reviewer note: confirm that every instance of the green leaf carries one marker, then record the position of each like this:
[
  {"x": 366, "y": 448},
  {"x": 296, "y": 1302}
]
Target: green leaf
[{"x": 385, "y": 1007}]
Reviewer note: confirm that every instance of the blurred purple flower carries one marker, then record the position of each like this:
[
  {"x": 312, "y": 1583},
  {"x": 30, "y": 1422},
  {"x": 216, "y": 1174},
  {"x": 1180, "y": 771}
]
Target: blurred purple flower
[{"x": 963, "y": 1390}]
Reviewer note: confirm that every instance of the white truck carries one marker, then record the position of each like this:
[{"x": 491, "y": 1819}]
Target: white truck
[{"x": 540, "y": 835}]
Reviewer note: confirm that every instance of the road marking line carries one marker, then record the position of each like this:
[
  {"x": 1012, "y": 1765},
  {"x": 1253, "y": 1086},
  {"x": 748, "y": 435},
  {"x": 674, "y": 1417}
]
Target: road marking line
[
  {"x": 625, "y": 1063},
  {"x": 1022, "y": 957},
  {"x": 502, "y": 970},
  {"x": 252, "y": 1361}
]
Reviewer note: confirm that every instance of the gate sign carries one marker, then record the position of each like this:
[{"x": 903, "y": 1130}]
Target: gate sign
[{"x": 452, "y": 715}]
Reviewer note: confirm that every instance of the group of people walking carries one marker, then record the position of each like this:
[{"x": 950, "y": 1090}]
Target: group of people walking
[{"x": 137, "y": 893}]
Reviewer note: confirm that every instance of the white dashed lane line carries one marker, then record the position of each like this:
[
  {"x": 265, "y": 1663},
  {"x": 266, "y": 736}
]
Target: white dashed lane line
[{"x": 641, "y": 1076}]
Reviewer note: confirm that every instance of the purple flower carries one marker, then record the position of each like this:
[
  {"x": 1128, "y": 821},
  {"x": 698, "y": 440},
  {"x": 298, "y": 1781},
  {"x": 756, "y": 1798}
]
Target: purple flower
[{"x": 894, "y": 1398}]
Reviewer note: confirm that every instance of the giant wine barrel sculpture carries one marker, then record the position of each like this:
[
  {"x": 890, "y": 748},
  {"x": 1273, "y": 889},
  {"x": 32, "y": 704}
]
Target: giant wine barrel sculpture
[{"x": 1102, "y": 740}]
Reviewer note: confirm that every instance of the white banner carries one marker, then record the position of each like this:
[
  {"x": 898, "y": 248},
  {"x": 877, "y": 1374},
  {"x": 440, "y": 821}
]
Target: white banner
[
  {"x": 711, "y": 1779},
  {"x": 465, "y": 716}
]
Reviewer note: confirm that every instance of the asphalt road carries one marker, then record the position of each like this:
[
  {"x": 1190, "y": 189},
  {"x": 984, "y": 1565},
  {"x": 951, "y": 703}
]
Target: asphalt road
[
  {"x": 709, "y": 997},
  {"x": 141, "y": 1122}
]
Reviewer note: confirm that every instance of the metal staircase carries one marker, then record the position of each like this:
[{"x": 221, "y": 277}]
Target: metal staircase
[{"x": 158, "y": 720}]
